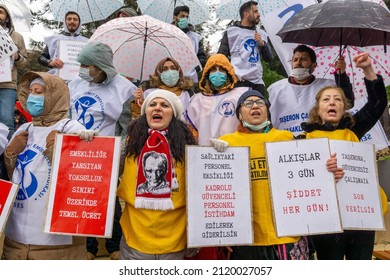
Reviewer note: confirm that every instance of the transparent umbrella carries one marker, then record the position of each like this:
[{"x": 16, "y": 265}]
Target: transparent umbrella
[
  {"x": 20, "y": 13},
  {"x": 163, "y": 9},
  {"x": 88, "y": 10}
]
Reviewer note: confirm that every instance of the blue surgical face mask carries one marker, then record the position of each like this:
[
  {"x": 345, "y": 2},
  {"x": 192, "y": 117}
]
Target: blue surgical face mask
[
  {"x": 170, "y": 77},
  {"x": 218, "y": 79},
  {"x": 84, "y": 74},
  {"x": 35, "y": 104},
  {"x": 183, "y": 23}
]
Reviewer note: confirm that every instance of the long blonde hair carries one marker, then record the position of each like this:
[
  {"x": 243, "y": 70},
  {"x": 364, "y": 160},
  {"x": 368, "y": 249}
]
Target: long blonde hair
[{"x": 314, "y": 117}]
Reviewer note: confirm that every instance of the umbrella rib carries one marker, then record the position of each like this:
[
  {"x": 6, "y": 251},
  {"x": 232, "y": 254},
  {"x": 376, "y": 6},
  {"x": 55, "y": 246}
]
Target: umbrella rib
[
  {"x": 89, "y": 9},
  {"x": 59, "y": 9}
]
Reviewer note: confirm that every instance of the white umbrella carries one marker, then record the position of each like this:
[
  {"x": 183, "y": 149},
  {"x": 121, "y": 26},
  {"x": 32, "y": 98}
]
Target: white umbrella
[
  {"x": 163, "y": 9},
  {"x": 7, "y": 46},
  {"x": 88, "y": 10},
  {"x": 20, "y": 13},
  {"x": 140, "y": 42}
]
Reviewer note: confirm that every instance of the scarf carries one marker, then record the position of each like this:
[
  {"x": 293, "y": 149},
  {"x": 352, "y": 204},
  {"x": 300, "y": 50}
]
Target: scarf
[
  {"x": 343, "y": 124},
  {"x": 156, "y": 174},
  {"x": 176, "y": 90}
]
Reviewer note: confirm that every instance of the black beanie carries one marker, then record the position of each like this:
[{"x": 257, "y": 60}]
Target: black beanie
[{"x": 248, "y": 93}]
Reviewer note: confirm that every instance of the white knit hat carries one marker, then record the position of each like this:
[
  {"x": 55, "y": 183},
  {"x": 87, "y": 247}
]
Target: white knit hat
[{"x": 168, "y": 96}]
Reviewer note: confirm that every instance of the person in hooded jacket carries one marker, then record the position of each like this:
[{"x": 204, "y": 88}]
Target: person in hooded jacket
[
  {"x": 18, "y": 61},
  {"x": 49, "y": 56},
  {"x": 97, "y": 96},
  {"x": 211, "y": 113},
  {"x": 180, "y": 19},
  {"x": 28, "y": 163}
]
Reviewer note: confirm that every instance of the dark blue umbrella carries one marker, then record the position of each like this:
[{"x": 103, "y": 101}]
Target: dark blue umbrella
[{"x": 339, "y": 22}]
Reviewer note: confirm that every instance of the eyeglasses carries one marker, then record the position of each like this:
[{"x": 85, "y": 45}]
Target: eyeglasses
[{"x": 249, "y": 103}]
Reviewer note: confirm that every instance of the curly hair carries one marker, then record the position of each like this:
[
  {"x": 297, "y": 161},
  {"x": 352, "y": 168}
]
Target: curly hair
[
  {"x": 184, "y": 83},
  {"x": 314, "y": 117},
  {"x": 178, "y": 136}
]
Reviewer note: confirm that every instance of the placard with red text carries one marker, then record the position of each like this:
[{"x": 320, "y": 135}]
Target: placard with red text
[
  {"x": 8, "y": 192},
  {"x": 83, "y": 186},
  {"x": 358, "y": 191},
  {"x": 219, "y": 204},
  {"x": 303, "y": 191}
]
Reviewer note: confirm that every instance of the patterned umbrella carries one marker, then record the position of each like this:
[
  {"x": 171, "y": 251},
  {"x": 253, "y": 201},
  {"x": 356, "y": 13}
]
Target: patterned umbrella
[
  {"x": 327, "y": 56},
  {"x": 140, "y": 42},
  {"x": 163, "y": 9},
  {"x": 88, "y": 10},
  {"x": 7, "y": 46},
  {"x": 20, "y": 13}
]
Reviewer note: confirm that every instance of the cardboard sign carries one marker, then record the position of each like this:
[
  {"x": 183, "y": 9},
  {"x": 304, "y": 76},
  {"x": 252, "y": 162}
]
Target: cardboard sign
[
  {"x": 68, "y": 51},
  {"x": 302, "y": 190},
  {"x": 8, "y": 192},
  {"x": 219, "y": 205},
  {"x": 358, "y": 191},
  {"x": 83, "y": 186},
  {"x": 5, "y": 70}
]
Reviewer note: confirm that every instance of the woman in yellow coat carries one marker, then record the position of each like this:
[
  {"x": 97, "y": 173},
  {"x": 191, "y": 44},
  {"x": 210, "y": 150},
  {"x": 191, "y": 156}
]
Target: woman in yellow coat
[{"x": 153, "y": 182}]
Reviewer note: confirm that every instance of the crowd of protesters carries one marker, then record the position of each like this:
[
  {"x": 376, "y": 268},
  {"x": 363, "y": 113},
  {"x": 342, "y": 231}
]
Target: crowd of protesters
[{"x": 226, "y": 107}]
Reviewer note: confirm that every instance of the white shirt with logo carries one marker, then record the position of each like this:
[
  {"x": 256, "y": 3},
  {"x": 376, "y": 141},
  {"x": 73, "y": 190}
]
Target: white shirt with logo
[
  {"x": 214, "y": 115},
  {"x": 245, "y": 53},
  {"x": 290, "y": 104},
  {"x": 32, "y": 173},
  {"x": 97, "y": 106}
]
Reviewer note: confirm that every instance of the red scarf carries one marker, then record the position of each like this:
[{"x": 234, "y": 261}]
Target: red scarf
[{"x": 156, "y": 175}]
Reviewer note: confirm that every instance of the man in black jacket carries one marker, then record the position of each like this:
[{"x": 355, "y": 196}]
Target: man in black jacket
[{"x": 245, "y": 44}]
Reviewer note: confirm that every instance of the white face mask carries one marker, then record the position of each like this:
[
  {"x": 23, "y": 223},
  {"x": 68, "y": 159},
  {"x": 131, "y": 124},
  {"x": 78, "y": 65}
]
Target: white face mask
[{"x": 300, "y": 73}]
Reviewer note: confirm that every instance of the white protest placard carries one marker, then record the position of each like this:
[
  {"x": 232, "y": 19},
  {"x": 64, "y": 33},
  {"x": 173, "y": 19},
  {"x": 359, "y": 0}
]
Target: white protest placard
[
  {"x": 5, "y": 70},
  {"x": 303, "y": 192},
  {"x": 8, "y": 191},
  {"x": 83, "y": 186},
  {"x": 68, "y": 51},
  {"x": 219, "y": 205},
  {"x": 358, "y": 191}
]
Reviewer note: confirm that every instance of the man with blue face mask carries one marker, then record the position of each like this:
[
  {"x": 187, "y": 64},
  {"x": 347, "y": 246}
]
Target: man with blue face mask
[{"x": 181, "y": 16}]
